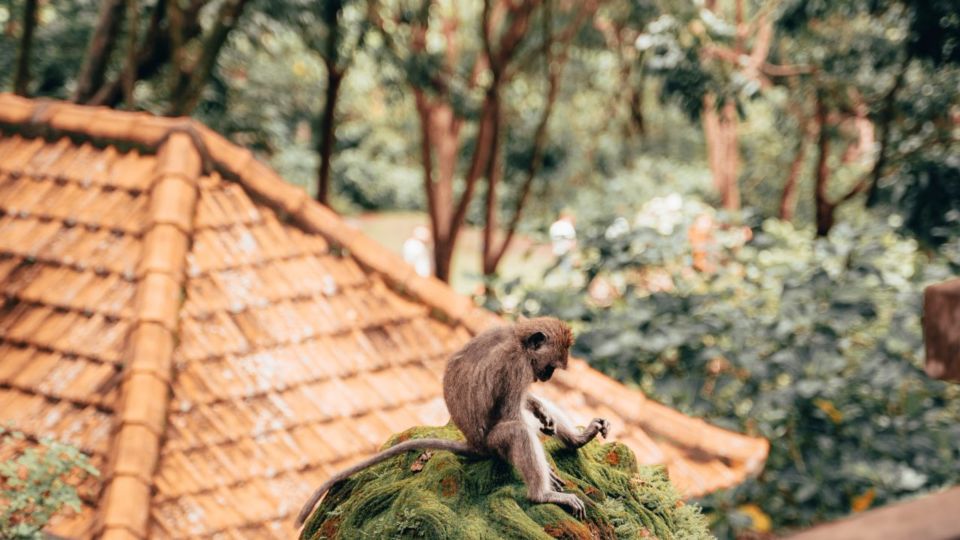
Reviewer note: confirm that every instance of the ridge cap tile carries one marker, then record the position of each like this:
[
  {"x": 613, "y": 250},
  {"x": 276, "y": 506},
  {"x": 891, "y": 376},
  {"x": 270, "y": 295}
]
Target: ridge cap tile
[{"x": 145, "y": 389}]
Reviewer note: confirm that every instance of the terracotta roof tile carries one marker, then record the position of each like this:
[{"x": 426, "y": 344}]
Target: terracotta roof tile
[
  {"x": 284, "y": 359},
  {"x": 161, "y": 247},
  {"x": 19, "y": 153},
  {"x": 131, "y": 171},
  {"x": 26, "y": 237}
]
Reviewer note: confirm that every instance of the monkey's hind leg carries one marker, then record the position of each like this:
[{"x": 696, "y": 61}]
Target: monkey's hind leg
[
  {"x": 538, "y": 421},
  {"x": 518, "y": 444}
]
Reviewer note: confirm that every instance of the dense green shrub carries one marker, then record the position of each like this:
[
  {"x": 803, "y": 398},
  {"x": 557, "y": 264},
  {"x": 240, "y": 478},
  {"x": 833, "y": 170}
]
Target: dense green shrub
[
  {"x": 450, "y": 497},
  {"x": 812, "y": 343},
  {"x": 37, "y": 484}
]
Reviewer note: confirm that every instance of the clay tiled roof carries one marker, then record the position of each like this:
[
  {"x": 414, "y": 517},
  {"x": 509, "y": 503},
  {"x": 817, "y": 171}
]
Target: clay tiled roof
[{"x": 219, "y": 343}]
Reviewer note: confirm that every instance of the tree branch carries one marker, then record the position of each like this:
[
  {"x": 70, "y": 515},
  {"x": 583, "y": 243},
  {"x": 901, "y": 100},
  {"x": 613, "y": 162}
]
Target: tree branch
[
  {"x": 199, "y": 73},
  {"x": 824, "y": 208},
  {"x": 152, "y": 54},
  {"x": 99, "y": 50},
  {"x": 554, "y": 74}
]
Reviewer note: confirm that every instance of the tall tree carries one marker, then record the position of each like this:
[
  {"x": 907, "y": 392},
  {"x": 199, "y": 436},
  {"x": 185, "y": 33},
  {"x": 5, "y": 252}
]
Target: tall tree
[
  {"x": 446, "y": 99},
  {"x": 337, "y": 42},
  {"x": 554, "y": 52},
  {"x": 335, "y": 74}
]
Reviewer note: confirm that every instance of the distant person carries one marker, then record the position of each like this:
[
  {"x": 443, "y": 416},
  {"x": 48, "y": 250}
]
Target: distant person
[
  {"x": 563, "y": 235},
  {"x": 416, "y": 251},
  {"x": 563, "y": 239},
  {"x": 702, "y": 243}
]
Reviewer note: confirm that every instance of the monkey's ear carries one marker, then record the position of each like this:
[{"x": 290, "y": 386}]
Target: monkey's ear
[{"x": 534, "y": 341}]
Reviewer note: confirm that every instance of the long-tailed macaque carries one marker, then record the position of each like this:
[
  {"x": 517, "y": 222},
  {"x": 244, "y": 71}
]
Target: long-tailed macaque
[{"x": 485, "y": 388}]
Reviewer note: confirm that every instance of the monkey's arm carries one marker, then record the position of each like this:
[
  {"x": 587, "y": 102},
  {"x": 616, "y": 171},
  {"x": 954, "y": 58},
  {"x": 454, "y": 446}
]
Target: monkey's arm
[
  {"x": 533, "y": 405},
  {"x": 569, "y": 435},
  {"x": 413, "y": 444}
]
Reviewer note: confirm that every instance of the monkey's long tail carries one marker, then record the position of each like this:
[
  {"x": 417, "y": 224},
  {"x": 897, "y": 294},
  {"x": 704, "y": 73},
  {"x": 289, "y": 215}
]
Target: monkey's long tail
[{"x": 413, "y": 444}]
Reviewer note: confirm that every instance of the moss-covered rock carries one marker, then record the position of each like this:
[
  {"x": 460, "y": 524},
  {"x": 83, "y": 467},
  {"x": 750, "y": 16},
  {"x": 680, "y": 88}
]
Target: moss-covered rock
[{"x": 446, "y": 496}]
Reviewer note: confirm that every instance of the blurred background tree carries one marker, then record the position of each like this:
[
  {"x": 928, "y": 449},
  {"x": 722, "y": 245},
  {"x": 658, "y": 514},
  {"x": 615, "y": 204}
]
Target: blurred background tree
[{"x": 761, "y": 189}]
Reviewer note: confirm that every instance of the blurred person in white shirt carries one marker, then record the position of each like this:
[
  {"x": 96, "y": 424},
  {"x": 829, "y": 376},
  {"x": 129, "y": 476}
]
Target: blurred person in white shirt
[{"x": 416, "y": 251}]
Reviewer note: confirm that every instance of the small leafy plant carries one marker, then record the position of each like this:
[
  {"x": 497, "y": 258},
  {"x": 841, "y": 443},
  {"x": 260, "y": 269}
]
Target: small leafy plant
[{"x": 38, "y": 483}]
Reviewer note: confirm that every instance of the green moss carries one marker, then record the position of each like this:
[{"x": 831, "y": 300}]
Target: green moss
[{"x": 455, "y": 497}]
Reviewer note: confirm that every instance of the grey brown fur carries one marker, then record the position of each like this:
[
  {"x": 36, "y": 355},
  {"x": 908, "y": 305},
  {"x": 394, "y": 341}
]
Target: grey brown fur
[{"x": 485, "y": 388}]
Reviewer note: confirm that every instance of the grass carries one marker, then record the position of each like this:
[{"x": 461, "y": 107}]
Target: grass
[{"x": 525, "y": 259}]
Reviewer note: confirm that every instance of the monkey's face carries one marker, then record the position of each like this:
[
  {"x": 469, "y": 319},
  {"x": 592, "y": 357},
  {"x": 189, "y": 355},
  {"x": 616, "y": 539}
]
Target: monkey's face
[{"x": 547, "y": 345}]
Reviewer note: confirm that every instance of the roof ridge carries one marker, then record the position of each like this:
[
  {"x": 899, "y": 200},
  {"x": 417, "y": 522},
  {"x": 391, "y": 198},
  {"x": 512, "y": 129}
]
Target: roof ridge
[
  {"x": 141, "y": 416},
  {"x": 45, "y": 115}
]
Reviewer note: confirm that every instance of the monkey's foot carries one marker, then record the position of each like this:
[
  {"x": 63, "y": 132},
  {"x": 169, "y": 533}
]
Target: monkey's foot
[
  {"x": 572, "y": 503},
  {"x": 557, "y": 482}
]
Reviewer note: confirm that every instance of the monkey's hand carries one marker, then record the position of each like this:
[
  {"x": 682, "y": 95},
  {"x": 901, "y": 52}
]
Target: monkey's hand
[
  {"x": 547, "y": 425},
  {"x": 599, "y": 425}
]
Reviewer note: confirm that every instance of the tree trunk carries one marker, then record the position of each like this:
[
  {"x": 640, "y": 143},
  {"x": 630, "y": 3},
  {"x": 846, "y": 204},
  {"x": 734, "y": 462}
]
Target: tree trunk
[
  {"x": 493, "y": 174},
  {"x": 328, "y": 134},
  {"x": 447, "y": 216},
  {"x": 941, "y": 330},
  {"x": 636, "y": 107},
  {"x": 443, "y": 258},
  {"x": 825, "y": 209},
  {"x": 441, "y": 126},
  {"x": 440, "y": 135},
  {"x": 129, "y": 74},
  {"x": 100, "y": 49},
  {"x": 723, "y": 152},
  {"x": 22, "y": 76},
  {"x": 731, "y": 156},
  {"x": 712, "y": 139}
]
